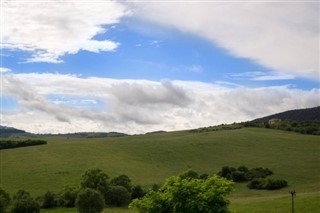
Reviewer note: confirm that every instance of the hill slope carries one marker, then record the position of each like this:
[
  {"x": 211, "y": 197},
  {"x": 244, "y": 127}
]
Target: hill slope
[
  {"x": 309, "y": 114},
  {"x": 8, "y": 131}
]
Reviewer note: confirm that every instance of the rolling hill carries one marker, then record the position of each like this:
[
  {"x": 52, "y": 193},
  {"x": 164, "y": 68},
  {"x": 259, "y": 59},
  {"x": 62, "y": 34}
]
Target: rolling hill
[
  {"x": 309, "y": 114},
  {"x": 151, "y": 158},
  {"x": 9, "y": 131}
]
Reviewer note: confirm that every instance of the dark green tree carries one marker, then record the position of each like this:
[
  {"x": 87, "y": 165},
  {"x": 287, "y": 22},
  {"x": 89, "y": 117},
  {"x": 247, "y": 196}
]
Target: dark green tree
[
  {"x": 189, "y": 174},
  {"x": 118, "y": 196},
  {"x": 96, "y": 179},
  {"x": 49, "y": 200},
  {"x": 137, "y": 192},
  {"x": 24, "y": 203},
  {"x": 89, "y": 201},
  {"x": 68, "y": 196},
  {"x": 122, "y": 180},
  {"x": 4, "y": 200}
]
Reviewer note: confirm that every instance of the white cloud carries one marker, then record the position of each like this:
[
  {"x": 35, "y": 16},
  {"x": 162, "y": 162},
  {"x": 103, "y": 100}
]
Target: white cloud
[
  {"x": 4, "y": 69},
  {"x": 261, "y": 76},
  {"x": 137, "y": 106},
  {"x": 283, "y": 36},
  {"x": 58, "y": 28}
]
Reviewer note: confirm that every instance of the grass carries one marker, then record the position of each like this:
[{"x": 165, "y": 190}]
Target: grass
[{"x": 149, "y": 159}]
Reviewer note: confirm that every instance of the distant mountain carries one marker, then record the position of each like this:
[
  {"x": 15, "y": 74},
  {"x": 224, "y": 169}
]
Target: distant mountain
[
  {"x": 8, "y": 131},
  {"x": 309, "y": 114}
]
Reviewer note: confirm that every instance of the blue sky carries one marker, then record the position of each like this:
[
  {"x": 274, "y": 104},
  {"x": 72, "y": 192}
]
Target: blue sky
[{"x": 137, "y": 67}]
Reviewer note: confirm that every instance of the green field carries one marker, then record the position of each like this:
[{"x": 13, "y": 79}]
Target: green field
[{"x": 149, "y": 159}]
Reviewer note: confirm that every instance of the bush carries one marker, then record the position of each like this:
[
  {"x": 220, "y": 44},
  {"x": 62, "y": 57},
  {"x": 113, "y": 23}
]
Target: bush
[
  {"x": 96, "y": 179},
  {"x": 122, "y": 180},
  {"x": 257, "y": 184},
  {"x": 21, "y": 194},
  {"x": 118, "y": 196},
  {"x": 270, "y": 184},
  {"x": 259, "y": 173},
  {"x": 273, "y": 184},
  {"x": 68, "y": 196},
  {"x": 137, "y": 192},
  {"x": 4, "y": 200},
  {"x": 238, "y": 176},
  {"x": 24, "y": 203},
  {"x": 226, "y": 172},
  {"x": 190, "y": 174},
  {"x": 89, "y": 201},
  {"x": 204, "y": 176},
  {"x": 49, "y": 200}
]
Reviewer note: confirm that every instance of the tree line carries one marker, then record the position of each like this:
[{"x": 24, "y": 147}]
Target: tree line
[
  {"x": 189, "y": 192},
  {"x": 10, "y": 144}
]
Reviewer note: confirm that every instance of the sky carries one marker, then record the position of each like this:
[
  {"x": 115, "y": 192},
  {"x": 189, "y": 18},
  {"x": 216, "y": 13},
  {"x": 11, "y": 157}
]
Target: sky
[{"x": 142, "y": 66}]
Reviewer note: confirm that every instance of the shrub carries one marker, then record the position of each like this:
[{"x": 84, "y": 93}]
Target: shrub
[
  {"x": 243, "y": 169},
  {"x": 21, "y": 194},
  {"x": 238, "y": 176},
  {"x": 204, "y": 176},
  {"x": 137, "y": 192},
  {"x": 155, "y": 187},
  {"x": 68, "y": 196},
  {"x": 4, "y": 200},
  {"x": 190, "y": 174},
  {"x": 24, "y": 203},
  {"x": 273, "y": 184},
  {"x": 49, "y": 200},
  {"x": 259, "y": 173},
  {"x": 270, "y": 184},
  {"x": 89, "y": 201},
  {"x": 226, "y": 172},
  {"x": 122, "y": 180},
  {"x": 257, "y": 184},
  {"x": 118, "y": 196}
]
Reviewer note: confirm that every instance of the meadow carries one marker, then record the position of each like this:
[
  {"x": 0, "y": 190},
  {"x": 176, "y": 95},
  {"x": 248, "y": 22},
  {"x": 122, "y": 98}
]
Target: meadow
[{"x": 149, "y": 159}]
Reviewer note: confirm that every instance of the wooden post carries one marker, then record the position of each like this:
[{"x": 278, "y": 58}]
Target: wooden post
[{"x": 293, "y": 194}]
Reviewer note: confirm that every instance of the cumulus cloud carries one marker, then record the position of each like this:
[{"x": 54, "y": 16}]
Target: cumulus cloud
[
  {"x": 58, "y": 28},
  {"x": 137, "y": 106},
  {"x": 283, "y": 36}
]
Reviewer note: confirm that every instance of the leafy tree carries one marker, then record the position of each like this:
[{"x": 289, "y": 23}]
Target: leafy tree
[
  {"x": 96, "y": 179},
  {"x": 122, "y": 180},
  {"x": 188, "y": 196},
  {"x": 118, "y": 196},
  {"x": 24, "y": 203},
  {"x": 4, "y": 200},
  {"x": 137, "y": 192},
  {"x": 89, "y": 201},
  {"x": 68, "y": 196}
]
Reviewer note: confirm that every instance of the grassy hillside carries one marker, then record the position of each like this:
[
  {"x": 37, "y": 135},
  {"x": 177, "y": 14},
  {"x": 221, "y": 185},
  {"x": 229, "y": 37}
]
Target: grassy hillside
[{"x": 149, "y": 159}]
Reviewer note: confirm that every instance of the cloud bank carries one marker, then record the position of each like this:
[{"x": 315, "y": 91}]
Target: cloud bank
[
  {"x": 58, "y": 28},
  {"x": 138, "y": 106},
  {"x": 283, "y": 36}
]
